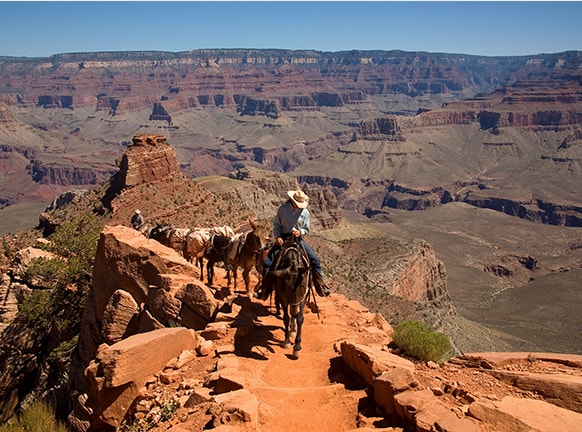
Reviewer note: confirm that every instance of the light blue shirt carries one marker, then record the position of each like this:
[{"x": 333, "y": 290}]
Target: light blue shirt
[{"x": 289, "y": 218}]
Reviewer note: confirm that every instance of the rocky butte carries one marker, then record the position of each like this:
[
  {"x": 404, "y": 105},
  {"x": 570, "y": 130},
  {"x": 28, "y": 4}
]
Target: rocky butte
[{"x": 158, "y": 346}]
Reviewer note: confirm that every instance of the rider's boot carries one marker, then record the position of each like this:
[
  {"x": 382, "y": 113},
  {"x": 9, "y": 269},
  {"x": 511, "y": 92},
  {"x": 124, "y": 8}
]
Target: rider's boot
[{"x": 320, "y": 287}]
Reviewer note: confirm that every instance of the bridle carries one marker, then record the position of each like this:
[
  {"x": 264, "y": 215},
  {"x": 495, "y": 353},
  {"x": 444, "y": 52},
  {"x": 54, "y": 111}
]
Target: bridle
[{"x": 303, "y": 263}]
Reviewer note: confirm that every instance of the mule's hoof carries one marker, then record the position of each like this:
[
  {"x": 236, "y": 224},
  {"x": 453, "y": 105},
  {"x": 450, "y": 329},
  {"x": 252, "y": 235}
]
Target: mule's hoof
[
  {"x": 296, "y": 353},
  {"x": 293, "y": 334},
  {"x": 285, "y": 344}
]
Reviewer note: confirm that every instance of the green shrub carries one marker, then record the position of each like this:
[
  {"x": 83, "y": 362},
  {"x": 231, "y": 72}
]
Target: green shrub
[
  {"x": 168, "y": 409},
  {"x": 38, "y": 417},
  {"x": 422, "y": 343},
  {"x": 68, "y": 275},
  {"x": 49, "y": 271},
  {"x": 37, "y": 308}
]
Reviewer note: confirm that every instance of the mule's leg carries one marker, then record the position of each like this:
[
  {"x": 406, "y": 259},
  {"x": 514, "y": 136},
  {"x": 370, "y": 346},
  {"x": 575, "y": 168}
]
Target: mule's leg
[
  {"x": 247, "y": 279},
  {"x": 234, "y": 269},
  {"x": 228, "y": 269},
  {"x": 201, "y": 265},
  {"x": 299, "y": 319},
  {"x": 277, "y": 305},
  {"x": 293, "y": 327},
  {"x": 210, "y": 272},
  {"x": 287, "y": 342}
]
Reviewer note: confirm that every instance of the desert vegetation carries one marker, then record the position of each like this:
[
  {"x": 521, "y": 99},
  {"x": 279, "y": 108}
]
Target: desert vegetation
[
  {"x": 38, "y": 417},
  {"x": 421, "y": 342}
]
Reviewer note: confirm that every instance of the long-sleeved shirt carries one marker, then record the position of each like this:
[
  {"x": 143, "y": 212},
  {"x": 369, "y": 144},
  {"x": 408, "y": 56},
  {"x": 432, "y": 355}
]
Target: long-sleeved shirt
[
  {"x": 289, "y": 218},
  {"x": 137, "y": 221}
]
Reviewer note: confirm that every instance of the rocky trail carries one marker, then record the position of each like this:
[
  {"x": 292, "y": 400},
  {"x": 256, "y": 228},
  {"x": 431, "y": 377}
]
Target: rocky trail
[
  {"x": 315, "y": 391},
  {"x": 249, "y": 382}
]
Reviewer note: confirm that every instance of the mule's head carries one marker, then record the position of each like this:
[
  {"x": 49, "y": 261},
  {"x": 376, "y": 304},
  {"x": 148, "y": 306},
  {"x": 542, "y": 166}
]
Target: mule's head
[{"x": 262, "y": 232}]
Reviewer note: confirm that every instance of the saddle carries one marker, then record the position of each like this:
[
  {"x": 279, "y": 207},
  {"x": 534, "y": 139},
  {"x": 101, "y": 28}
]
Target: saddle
[{"x": 291, "y": 243}]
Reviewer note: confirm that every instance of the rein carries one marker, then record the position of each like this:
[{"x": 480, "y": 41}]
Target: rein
[{"x": 307, "y": 291}]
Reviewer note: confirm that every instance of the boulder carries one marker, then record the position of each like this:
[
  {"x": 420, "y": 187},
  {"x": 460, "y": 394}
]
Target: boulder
[
  {"x": 120, "y": 318},
  {"x": 127, "y": 260},
  {"x": 561, "y": 390},
  {"x": 239, "y": 406},
  {"x": 390, "y": 383},
  {"x": 370, "y": 362},
  {"x": 119, "y": 371}
]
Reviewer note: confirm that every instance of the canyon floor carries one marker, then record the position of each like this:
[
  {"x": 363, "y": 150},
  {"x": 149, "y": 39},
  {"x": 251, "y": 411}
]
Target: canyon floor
[{"x": 539, "y": 309}]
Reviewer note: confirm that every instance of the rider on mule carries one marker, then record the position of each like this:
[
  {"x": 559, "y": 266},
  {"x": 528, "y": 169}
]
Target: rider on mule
[{"x": 292, "y": 219}]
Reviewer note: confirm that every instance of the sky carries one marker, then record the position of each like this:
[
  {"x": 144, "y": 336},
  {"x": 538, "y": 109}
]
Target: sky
[{"x": 488, "y": 28}]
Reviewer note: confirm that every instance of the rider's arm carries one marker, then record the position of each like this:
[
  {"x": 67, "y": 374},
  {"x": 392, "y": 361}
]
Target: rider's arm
[{"x": 303, "y": 222}]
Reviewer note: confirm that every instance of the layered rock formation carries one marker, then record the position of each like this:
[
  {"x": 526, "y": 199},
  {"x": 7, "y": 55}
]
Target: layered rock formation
[
  {"x": 318, "y": 115},
  {"x": 120, "y": 384},
  {"x": 418, "y": 162},
  {"x": 141, "y": 291},
  {"x": 140, "y": 285},
  {"x": 147, "y": 160}
]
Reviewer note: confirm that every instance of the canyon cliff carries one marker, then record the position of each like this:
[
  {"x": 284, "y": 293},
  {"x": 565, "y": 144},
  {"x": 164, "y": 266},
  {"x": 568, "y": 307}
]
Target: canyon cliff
[{"x": 416, "y": 130}]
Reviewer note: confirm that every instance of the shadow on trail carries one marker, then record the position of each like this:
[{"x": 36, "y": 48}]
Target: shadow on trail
[
  {"x": 340, "y": 373},
  {"x": 260, "y": 339}
]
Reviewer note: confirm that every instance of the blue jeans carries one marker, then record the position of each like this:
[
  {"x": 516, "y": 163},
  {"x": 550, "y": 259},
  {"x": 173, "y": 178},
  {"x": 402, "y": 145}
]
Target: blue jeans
[{"x": 313, "y": 258}]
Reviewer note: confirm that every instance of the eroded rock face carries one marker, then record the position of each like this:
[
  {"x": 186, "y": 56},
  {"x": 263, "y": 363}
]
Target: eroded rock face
[
  {"x": 386, "y": 128},
  {"x": 268, "y": 190},
  {"x": 127, "y": 260},
  {"x": 140, "y": 288},
  {"x": 148, "y": 160},
  {"x": 423, "y": 278}
]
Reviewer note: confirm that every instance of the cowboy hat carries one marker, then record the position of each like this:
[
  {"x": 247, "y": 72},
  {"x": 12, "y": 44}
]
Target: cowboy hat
[{"x": 299, "y": 198}]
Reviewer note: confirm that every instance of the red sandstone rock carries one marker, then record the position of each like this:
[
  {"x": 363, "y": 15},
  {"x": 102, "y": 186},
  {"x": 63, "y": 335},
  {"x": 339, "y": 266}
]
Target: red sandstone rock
[
  {"x": 120, "y": 370},
  {"x": 369, "y": 362},
  {"x": 155, "y": 162},
  {"x": 514, "y": 414}
]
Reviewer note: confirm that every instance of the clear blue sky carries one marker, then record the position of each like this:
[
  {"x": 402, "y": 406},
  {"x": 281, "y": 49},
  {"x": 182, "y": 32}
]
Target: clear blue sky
[{"x": 39, "y": 29}]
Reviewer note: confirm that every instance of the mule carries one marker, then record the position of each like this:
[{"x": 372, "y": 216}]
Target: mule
[
  {"x": 190, "y": 243},
  {"x": 216, "y": 251},
  {"x": 161, "y": 233},
  {"x": 291, "y": 282},
  {"x": 198, "y": 239},
  {"x": 245, "y": 249}
]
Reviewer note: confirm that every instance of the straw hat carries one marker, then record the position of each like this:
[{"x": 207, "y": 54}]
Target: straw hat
[{"x": 299, "y": 198}]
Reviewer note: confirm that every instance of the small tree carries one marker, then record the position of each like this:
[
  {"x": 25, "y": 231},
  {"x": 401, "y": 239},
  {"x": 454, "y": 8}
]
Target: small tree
[{"x": 67, "y": 278}]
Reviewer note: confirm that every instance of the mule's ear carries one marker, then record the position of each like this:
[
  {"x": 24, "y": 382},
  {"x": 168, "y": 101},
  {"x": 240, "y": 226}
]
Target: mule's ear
[{"x": 253, "y": 224}]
